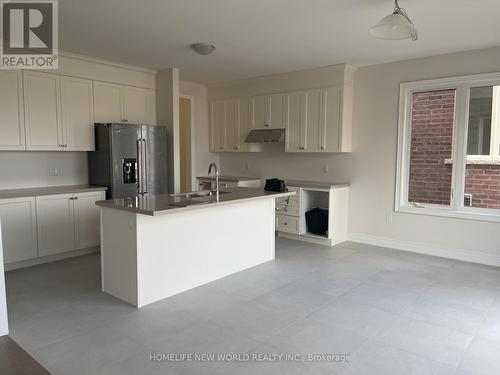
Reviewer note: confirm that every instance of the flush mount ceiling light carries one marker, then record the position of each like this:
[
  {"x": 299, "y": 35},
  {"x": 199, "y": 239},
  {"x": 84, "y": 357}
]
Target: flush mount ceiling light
[
  {"x": 395, "y": 26},
  {"x": 203, "y": 48}
]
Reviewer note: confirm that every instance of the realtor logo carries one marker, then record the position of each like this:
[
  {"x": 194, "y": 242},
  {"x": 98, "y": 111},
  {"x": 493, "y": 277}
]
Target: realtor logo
[{"x": 29, "y": 35}]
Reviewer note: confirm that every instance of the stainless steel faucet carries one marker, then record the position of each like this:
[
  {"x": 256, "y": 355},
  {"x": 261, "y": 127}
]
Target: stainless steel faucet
[{"x": 216, "y": 190}]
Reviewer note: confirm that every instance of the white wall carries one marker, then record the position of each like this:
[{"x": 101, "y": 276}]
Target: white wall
[
  {"x": 4, "y": 323},
  {"x": 199, "y": 131},
  {"x": 20, "y": 169},
  {"x": 376, "y": 92},
  {"x": 371, "y": 168}
]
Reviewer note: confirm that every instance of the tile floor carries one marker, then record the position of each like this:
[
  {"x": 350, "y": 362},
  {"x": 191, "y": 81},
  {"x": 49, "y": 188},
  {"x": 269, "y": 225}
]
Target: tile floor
[{"x": 391, "y": 312}]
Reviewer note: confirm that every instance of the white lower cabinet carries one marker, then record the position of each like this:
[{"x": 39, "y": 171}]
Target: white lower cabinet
[
  {"x": 87, "y": 223},
  {"x": 291, "y": 213},
  {"x": 46, "y": 225},
  {"x": 289, "y": 224},
  {"x": 18, "y": 223},
  {"x": 55, "y": 224},
  {"x": 67, "y": 222}
]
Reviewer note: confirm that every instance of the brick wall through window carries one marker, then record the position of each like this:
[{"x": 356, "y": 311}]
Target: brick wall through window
[{"x": 431, "y": 144}]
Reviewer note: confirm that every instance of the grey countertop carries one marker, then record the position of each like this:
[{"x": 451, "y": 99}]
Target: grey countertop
[
  {"x": 315, "y": 184},
  {"x": 49, "y": 190},
  {"x": 229, "y": 178},
  {"x": 164, "y": 203}
]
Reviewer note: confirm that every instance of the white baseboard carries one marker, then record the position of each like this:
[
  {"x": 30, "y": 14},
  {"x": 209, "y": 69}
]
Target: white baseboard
[
  {"x": 439, "y": 251},
  {"x": 50, "y": 258}
]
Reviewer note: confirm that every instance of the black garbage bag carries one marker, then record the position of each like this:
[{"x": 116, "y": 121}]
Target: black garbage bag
[{"x": 317, "y": 221}]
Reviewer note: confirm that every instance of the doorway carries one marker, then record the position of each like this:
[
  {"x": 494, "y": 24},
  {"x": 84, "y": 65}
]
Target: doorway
[{"x": 185, "y": 121}]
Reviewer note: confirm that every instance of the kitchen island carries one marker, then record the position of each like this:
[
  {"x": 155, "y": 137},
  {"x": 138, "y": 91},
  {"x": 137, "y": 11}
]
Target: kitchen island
[{"x": 155, "y": 246}]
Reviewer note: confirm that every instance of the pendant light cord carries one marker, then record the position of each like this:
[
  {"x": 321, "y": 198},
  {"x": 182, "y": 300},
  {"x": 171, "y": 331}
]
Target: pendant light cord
[{"x": 402, "y": 12}]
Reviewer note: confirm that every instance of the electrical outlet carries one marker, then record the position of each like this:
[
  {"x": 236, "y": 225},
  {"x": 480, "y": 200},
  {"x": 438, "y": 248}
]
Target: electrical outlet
[
  {"x": 54, "y": 172},
  {"x": 388, "y": 218},
  {"x": 325, "y": 168},
  {"x": 247, "y": 166}
]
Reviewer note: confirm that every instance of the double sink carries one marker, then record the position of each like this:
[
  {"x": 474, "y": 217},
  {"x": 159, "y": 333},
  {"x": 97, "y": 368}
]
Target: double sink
[{"x": 195, "y": 197}]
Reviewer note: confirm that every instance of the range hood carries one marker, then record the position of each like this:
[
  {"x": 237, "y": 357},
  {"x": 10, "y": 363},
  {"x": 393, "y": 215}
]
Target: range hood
[{"x": 266, "y": 136}]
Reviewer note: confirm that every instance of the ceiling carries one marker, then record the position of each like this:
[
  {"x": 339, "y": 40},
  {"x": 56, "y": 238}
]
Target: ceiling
[{"x": 259, "y": 37}]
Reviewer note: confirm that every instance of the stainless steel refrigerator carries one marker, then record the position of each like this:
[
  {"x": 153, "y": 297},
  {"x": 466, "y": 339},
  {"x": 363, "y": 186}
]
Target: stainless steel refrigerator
[{"x": 129, "y": 159}]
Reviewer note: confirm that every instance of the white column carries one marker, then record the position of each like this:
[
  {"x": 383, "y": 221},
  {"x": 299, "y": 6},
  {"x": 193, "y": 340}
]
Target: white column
[{"x": 167, "y": 114}]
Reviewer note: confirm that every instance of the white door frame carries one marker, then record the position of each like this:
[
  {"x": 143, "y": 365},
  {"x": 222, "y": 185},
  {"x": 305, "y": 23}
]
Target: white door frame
[
  {"x": 4, "y": 322},
  {"x": 191, "y": 140}
]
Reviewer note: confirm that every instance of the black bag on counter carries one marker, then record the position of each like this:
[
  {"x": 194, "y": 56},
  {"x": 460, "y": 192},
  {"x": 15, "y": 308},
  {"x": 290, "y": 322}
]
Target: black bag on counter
[
  {"x": 275, "y": 184},
  {"x": 317, "y": 221}
]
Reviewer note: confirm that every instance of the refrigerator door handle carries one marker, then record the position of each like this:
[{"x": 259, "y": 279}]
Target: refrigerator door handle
[
  {"x": 140, "y": 176},
  {"x": 144, "y": 167}
]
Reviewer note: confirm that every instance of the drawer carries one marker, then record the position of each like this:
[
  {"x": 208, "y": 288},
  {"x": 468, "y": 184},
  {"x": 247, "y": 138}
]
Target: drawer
[
  {"x": 225, "y": 185},
  {"x": 289, "y": 224},
  {"x": 292, "y": 201},
  {"x": 290, "y": 209},
  {"x": 288, "y": 205}
]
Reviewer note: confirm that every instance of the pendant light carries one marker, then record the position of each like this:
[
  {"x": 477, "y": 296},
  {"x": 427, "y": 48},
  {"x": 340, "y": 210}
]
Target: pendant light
[
  {"x": 395, "y": 26},
  {"x": 203, "y": 48}
]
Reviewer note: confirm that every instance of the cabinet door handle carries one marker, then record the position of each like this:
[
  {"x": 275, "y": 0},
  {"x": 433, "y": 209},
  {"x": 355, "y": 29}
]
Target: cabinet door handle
[
  {"x": 124, "y": 120},
  {"x": 266, "y": 125},
  {"x": 322, "y": 147},
  {"x": 235, "y": 148}
]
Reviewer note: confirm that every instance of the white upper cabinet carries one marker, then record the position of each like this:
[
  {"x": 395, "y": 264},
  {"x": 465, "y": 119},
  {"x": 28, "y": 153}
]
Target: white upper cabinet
[
  {"x": 294, "y": 121},
  {"x": 303, "y": 121},
  {"x": 319, "y": 120},
  {"x": 121, "y": 103},
  {"x": 277, "y": 111},
  {"x": 245, "y": 127},
  {"x": 107, "y": 102},
  {"x": 218, "y": 126},
  {"x": 233, "y": 124},
  {"x": 230, "y": 124},
  {"x": 12, "y": 112},
  {"x": 42, "y": 111},
  {"x": 330, "y": 120},
  {"x": 259, "y": 111},
  {"x": 18, "y": 216},
  {"x": 47, "y": 111},
  {"x": 268, "y": 111},
  {"x": 77, "y": 114},
  {"x": 136, "y": 105},
  {"x": 58, "y": 112},
  {"x": 311, "y": 130}
]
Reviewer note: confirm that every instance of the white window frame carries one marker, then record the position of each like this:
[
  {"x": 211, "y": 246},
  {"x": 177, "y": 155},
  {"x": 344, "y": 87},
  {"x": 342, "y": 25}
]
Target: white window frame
[
  {"x": 494, "y": 154},
  {"x": 456, "y": 209}
]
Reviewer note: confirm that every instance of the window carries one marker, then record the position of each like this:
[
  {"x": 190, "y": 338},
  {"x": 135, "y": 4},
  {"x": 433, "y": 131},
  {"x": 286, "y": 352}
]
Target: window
[
  {"x": 449, "y": 148},
  {"x": 433, "y": 115},
  {"x": 483, "y": 141}
]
